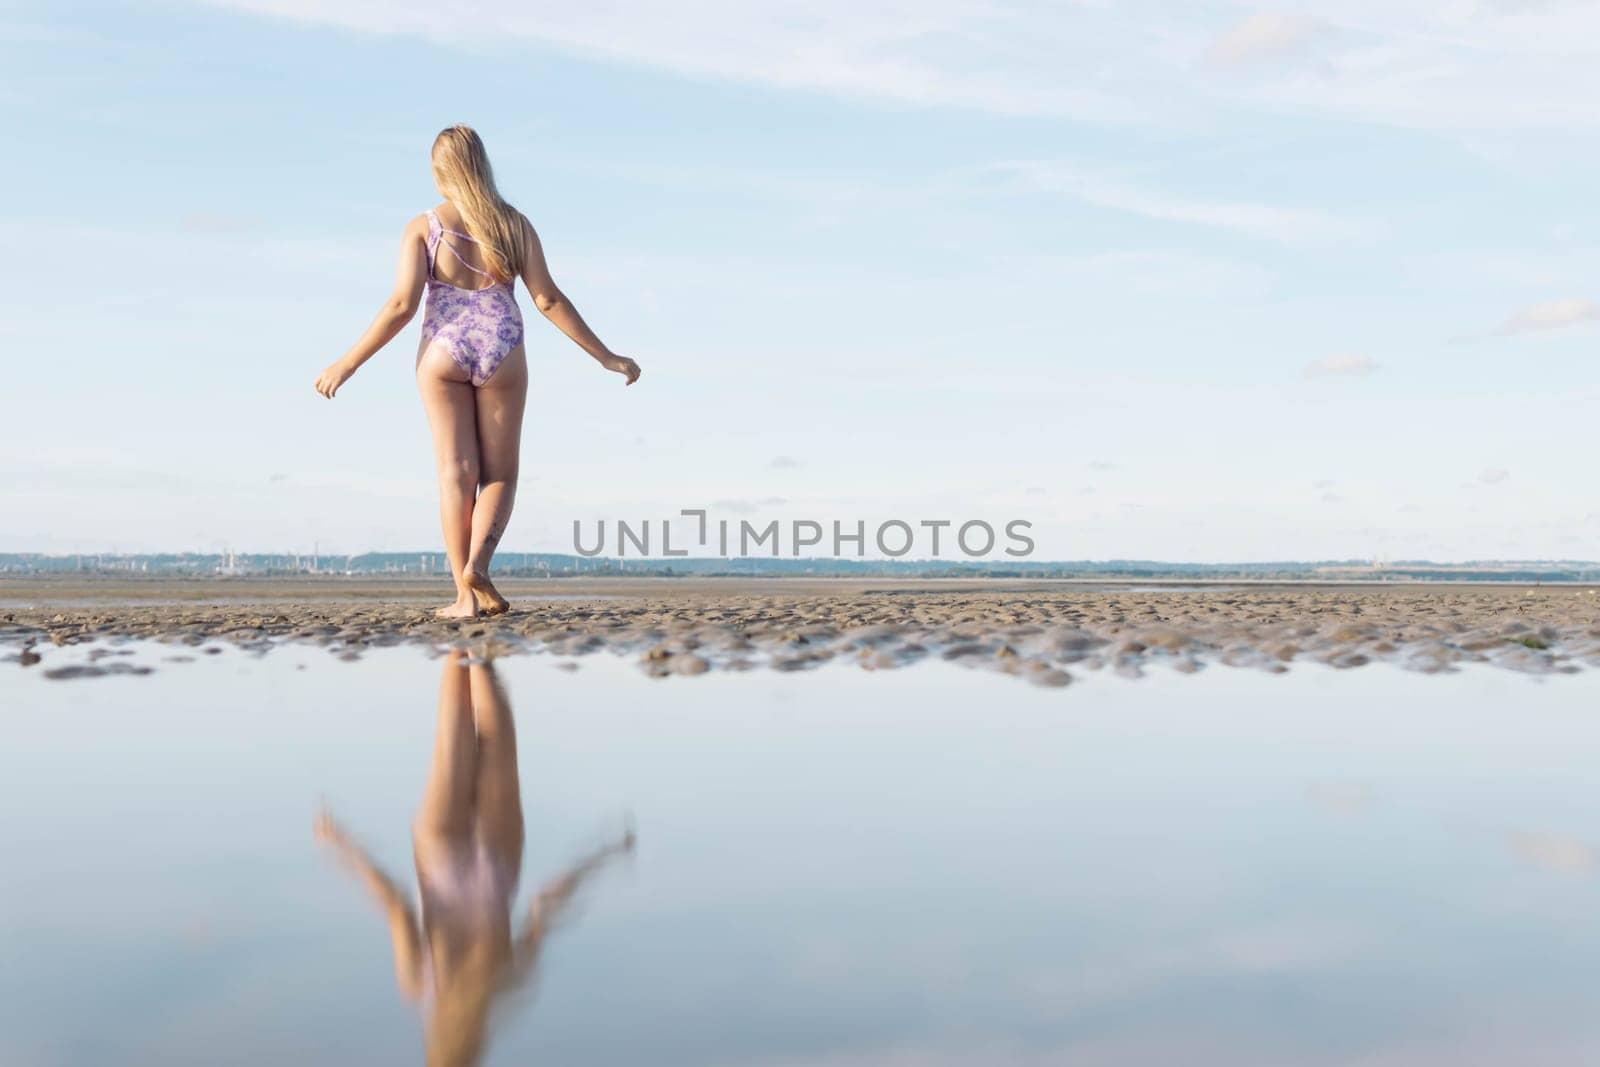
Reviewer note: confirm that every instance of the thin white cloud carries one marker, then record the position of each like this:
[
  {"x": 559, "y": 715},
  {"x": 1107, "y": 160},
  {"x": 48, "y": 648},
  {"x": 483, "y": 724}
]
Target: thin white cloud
[
  {"x": 1494, "y": 476},
  {"x": 1263, "y": 37},
  {"x": 1266, "y": 221},
  {"x": 1550, "y": 315},
  {"x": 960, "y": 53},
  {"x": 1341, "y": 365},
  {"x": 1429, "y": 64},
  {"x": 784, "y": 463},
  {"x": 1256, "y": 220}
]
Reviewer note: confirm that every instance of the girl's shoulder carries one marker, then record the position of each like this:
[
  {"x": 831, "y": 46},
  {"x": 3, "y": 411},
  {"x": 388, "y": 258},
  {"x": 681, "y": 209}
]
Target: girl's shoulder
[{"x": 447, "y": 215}]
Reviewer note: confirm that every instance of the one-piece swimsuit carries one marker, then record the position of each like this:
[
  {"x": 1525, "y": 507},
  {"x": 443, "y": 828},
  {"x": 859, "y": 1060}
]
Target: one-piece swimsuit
[{"x": 478, "y": 327}]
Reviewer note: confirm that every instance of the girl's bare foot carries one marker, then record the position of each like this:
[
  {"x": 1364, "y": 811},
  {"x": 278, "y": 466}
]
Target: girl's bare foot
[
  {"x": 465, "y": 607},
  {"x": 487, "y": 597}
]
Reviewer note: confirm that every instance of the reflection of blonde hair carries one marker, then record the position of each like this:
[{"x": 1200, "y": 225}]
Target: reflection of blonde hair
[{"x": 461, "y": 167}]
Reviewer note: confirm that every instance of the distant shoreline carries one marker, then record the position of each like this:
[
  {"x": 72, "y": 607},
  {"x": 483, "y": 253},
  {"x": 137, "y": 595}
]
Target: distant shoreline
[
  {"x": 109, "y": 588},
  {"x": 314, "y": 569}
]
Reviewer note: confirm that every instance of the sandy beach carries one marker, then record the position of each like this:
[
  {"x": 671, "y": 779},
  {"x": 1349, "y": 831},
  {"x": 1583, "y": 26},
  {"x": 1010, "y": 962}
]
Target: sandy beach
[{"x": 1040, "y": 631}]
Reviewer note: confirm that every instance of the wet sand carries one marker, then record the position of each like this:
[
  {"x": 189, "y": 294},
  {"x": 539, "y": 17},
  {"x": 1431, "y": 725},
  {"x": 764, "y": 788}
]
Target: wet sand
[{"x": 1040, "y": 631}]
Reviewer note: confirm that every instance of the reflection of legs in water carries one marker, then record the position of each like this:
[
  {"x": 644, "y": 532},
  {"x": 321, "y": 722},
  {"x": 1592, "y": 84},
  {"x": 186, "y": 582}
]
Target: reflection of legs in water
[
  {"x": 446, "y": 810},
  {"x": 468, "y": 830},
  {"x": 473, "y": 796},
  {"x": 497, "y": 801}
]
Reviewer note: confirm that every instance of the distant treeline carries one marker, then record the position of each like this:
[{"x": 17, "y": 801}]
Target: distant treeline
[{"x": 557, "y": 565}]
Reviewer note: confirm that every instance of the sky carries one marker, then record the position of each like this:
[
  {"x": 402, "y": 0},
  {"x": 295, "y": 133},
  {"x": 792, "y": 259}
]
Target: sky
[{"x": 1176, "y": 280}]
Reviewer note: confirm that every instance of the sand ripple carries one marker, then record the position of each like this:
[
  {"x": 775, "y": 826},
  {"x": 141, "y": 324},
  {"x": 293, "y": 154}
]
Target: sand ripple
[{"x": 1039, "y": 636}]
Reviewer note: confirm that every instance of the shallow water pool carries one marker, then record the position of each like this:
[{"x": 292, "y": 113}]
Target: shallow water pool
[{"x": 404, "y": 859}]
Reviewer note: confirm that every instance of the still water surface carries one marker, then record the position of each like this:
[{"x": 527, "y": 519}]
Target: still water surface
[{"x": 290, "y": 859}]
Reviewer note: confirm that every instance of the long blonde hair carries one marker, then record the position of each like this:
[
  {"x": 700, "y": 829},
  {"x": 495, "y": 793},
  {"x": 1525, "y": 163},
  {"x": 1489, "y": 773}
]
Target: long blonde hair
[{"x": 461, "y": 169}]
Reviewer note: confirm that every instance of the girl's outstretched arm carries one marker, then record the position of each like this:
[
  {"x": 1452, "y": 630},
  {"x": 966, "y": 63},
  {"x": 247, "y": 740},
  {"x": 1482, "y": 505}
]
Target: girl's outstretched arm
[
  {"x": 396, "y": 312},
  {"x": 554, "y": 305},
  {"x": 552, "y": 899},
  {"x": 403, "y": 929}
]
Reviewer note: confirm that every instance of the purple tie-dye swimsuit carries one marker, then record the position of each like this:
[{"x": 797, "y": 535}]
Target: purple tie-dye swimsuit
[{"x": 478, "y": 327}]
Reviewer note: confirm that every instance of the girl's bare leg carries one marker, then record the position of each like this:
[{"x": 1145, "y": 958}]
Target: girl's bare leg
[
  {"x": 448, "y": 798},
  {"x": 451, "y": 404},
  {"x": 498, "y": 806},
  {"x": 501, "y": 402}
]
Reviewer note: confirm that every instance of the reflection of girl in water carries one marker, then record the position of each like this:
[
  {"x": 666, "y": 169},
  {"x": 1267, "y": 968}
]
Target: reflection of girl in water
[{"x": 463, "y": 953}]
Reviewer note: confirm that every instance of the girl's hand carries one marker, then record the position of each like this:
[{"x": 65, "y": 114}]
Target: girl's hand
[
  {"x": 337, "y": 374},
  {"x": 623, "y": 366},
  {"x": 326, "y": 829}
]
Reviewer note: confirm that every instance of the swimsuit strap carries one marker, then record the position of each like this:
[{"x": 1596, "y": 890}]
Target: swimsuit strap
[
  {"x": 436, "y": 236},
  {"x": 432, "y": 244},
  {"x": 464, "y": 263}
]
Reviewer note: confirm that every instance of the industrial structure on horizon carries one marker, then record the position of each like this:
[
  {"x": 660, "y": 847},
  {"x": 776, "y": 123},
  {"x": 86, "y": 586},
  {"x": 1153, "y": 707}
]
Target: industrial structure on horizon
[{"x": 557, "y": 565}]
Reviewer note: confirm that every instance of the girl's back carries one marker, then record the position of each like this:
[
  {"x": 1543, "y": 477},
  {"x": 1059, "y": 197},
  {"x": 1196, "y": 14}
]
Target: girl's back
[{"x": 463, "y": 264}]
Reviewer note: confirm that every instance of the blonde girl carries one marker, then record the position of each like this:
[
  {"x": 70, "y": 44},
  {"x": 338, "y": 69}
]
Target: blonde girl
[{"x": 472, "y": 370}]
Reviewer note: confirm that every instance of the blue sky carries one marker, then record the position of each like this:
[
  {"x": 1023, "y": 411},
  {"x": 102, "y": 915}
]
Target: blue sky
[{"x": 1199, "y": 281}]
